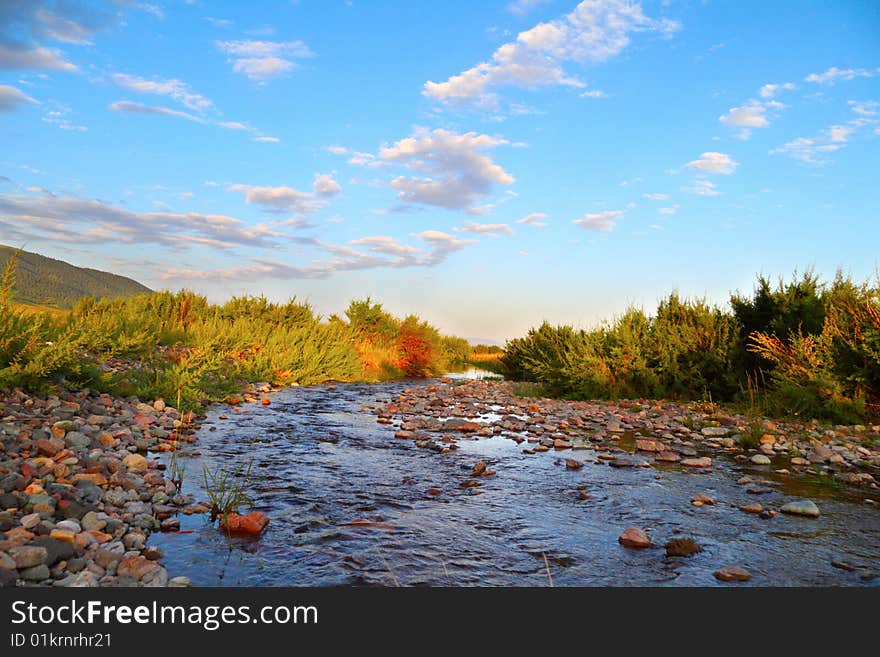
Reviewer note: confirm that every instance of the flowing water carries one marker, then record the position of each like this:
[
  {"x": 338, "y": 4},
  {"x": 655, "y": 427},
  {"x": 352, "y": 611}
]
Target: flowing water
[{"x": 320, "y": 461}]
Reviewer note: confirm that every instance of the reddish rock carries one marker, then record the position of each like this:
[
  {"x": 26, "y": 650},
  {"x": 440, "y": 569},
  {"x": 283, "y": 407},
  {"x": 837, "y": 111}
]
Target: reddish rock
[
  {"x": 266, "y": 401},
  {"x": 669, "y": 457},
  {"x": 558, "y": 443},
  {"x": 650, "y": 445},
  {"x": 703, "y": 499},
  {"x": 135, "y": 567},
  {"x": 733, "y": 574},
  {"x": 633, "y": 537},
  {"x": 48, "y": 447},
  {"x": 253, "y": 523},
  {"x": 433, "y": 491},
  {"x": 95, "y": 478},
  {"x": 573, "y": 464},
  {"x": 701, "y": 462},
  {"x": 752, "y": 508}
]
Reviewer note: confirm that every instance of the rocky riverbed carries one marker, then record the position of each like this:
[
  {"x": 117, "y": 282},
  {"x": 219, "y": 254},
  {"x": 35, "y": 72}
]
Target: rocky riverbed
[
  {"x": 80, "y": 493},
  {"x": 432, "y": 483}
]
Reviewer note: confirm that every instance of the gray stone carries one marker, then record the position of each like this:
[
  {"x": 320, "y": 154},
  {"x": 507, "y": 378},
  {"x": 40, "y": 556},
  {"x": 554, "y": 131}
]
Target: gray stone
[
  {"x": 69, "y": 525},
  {"x": 717, "y": 432},
  {"x": 77, "y": 439},
  {"x": 55, "y": 550},
  {"x": 35, "y": 573},
  {"x": 801, "y": 508},
  {"x": 760, "y": 459}
]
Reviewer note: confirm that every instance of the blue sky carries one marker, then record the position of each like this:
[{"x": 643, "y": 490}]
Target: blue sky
[{"x": 486, "y": 165}]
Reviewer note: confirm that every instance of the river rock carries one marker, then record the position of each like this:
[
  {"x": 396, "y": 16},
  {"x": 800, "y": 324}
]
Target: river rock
[
  {"x": 801, "y": 508},
  {"x": 649, "y": 445},
  {"x": 733, "y": 574},
  {"x": 28, "y": 556},
  {"x": 714, "y": 432},
  {"x": 35, "y": 573},
  {"x": 682, "y": 547},
  {"x": 701, "y": 462},
  {"x": 56, "y": 550},
  {"x": 760, "y": 459},
  {"x": 633, "y": 537},
  {"x": 135, "y": 463}
]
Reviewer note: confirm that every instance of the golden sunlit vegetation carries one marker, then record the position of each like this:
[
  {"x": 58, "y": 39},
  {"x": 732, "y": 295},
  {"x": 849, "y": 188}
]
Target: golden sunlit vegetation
[
  {"x": 802, "y": 348},
  {"x": 178, "y": 346}
]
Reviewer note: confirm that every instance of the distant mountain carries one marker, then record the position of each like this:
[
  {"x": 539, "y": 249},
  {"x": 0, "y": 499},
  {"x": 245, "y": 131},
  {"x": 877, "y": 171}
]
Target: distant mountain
[{"x": 44, "y": 281}]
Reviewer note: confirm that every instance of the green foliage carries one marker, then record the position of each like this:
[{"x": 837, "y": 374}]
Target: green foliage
[
  {"x": 175, "y": 345},
  {"x": 802, "y": 349},
  {"x": 48, "y": 282}
]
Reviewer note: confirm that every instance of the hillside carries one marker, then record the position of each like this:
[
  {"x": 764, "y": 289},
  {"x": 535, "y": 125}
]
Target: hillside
[{"x": 45, "y": 281}]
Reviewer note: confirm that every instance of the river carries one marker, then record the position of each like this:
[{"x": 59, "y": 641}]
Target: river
[{"x": 321, "y": 461}]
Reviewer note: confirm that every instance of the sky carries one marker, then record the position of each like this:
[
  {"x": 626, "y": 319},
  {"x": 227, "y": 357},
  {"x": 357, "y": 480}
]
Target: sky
[{"x": 485, "y": 165}]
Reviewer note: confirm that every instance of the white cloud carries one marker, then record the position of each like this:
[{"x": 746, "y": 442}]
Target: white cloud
[
  {"x": 713, "y": 162},
  {"x": 834, "y": 74},
  {"x": 138, "y": 108},
  {"x": 865, "y": 108},
  {"x": 599, "y": 221},
  {"x": 656, "y": 197},
  {"x": 278, "y": 199},
  {"x": 750, "y": 115},
  {"x": 442, "y": 245},
  {"x": 772, "y": 90},
  {"x": 179, "y": 91},
  {"x": 595, "y": 30},
  {"x": 534, "y": 219},
  {"x": 594, "y": 93},
  {"x": 454, "y": 172},
  {"x": 337, "y": 150},
  {"x": 33, "y": 59},
  {"x": 668, "y": 211},
  {"x": 387, "y": 245},
  {"x": 262, "y": 61},
  {"x": 77, "y": 220},
  {"x": 12, "y": 98},
  {"x": 267, "y": 140},
  {"x": 325, "y": 186},
  {"x": 381, "y": 251},
  {"x": 811, "y": 150},
  {"x": 702, "y": 188},
  {"x": 492, "y": 230}
]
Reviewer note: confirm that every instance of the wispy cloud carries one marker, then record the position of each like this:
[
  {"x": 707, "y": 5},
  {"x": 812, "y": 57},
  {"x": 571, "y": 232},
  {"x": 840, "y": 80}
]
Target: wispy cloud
[
  {"x": 534, "y": 219},
  {"x": 814, "y": 149},
  {"x": 12, "y": 98},
  {"x": 363, "y": 253},
  {"x": 92, "y": 221},
  {"x": 179, "y": 91},
  {"x": 834, "y": 75},
  {"x": 702, "y": 188},
  {"x": 490, "y": 230},
  {"x": 599, "y": 221}
]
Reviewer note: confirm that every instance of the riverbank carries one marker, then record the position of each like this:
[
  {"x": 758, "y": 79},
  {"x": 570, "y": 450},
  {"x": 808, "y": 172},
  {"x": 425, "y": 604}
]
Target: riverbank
[
  {"x": 635, "y": 432},
  {"x": 80, "y": 489}
]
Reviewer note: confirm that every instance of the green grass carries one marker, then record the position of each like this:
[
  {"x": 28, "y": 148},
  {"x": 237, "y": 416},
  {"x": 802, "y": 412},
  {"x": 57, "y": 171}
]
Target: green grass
[{"x": 177, "y": 346}]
